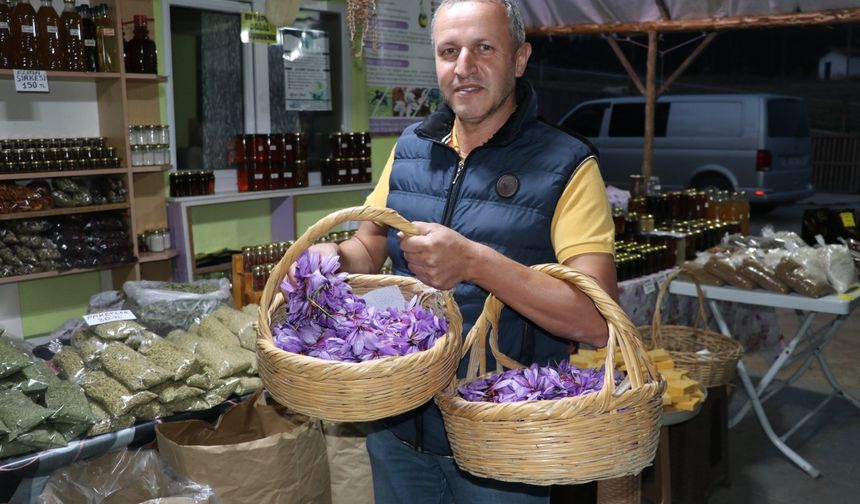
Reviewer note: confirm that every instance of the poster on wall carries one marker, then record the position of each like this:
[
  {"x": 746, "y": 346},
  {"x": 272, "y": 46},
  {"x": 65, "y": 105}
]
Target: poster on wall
[
  {"x": 307, "y": 69},
  {"x": 401, "y": 73}
]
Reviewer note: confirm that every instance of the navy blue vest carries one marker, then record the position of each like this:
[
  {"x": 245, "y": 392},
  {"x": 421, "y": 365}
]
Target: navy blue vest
[{"x": 542, "y": 159}]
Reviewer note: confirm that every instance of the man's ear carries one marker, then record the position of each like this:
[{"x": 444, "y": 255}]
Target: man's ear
[{"x": 522, "y": 58}]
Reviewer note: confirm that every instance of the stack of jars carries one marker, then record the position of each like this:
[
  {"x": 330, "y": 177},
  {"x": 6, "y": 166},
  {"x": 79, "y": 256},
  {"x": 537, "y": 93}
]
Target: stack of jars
[
  {"x": 56, "y": 154},
  {"x": 270, "y": 162},
  {"x": 259, "y": 260},
  {"x": 80, "y": 39},
  {"x": 634, "y": 259},
  {"x": 184, "y": 183},
  {"x": 154, "y": 240},
  {"x": 150, "y": 144},
  {"x": 349, "y": 162}
]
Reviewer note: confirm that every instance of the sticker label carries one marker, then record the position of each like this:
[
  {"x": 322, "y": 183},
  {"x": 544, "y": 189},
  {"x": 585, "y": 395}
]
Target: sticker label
[
  {"x": 94, "y": 319},
  {"x": 31, "y": 81}
]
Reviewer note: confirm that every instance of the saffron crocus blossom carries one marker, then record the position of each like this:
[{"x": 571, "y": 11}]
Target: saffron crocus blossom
[
  {"x": 326, "y": 320},
  {"x": 535, "y": 383}
]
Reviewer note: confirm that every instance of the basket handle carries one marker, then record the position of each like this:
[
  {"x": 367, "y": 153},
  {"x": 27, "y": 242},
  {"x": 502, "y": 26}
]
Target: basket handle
[
  {"x": 362, "y": 213},
  {"x": 657, "y": 320},
  {"x": 622, "y": 334}
]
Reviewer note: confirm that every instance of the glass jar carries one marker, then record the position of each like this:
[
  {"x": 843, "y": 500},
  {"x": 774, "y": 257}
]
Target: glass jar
[
  {"x": 155, "y": 241},
  {"x": 148, "y": 155},
  {"x": 137, "y": 155},
  {"x": 153, "y": 134},
  {"x": 132, "y": 135},
  {"x": 164, "y": 134}
]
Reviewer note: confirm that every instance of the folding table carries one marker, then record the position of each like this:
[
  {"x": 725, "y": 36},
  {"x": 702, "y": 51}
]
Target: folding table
[{"x": 806, "y": 345}]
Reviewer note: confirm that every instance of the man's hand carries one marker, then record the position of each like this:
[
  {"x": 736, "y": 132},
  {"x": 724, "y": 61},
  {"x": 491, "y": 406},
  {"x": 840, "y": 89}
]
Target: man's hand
[{"x": 439, "y": 257}]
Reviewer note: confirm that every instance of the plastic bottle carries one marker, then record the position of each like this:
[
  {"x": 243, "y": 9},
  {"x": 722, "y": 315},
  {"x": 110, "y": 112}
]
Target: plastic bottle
[
  {"x": 26, "y": 52},
  {"x": 5, "y": 34},
  {"x": 106, "y": 40},
  {"x": 72, "y": 38},
  {"x": 91, "y": 57},
  {"x": 140, "y": 53},
  {"x": 48, "y": 33}
]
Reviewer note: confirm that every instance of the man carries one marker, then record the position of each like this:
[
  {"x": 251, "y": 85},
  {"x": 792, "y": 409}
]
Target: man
[{"x": 492, "y": 190}]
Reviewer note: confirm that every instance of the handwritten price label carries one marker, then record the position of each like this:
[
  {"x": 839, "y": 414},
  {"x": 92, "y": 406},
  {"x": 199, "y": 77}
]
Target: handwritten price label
[
  {"x": 31, "y": 81},
  {"x": 94, "y": 319}
]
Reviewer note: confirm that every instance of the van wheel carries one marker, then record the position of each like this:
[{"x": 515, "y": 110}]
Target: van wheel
[{"x": 711, "y": 181}]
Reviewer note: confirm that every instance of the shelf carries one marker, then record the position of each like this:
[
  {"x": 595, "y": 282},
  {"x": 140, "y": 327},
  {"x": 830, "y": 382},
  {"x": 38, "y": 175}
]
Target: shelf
[
  {"x": 53, "y": 274},
  {"x": 68, "y": 173},
  {"x": 214, "y": 199},
  {"x": 55, "y": 74},
  {"x": 212, "y": 269},
  {"x": 150, "y": 169},
  {"x": 145, "y": 77},
  {"x": 147, "y": 257},
  {"x": 64, "y": 211}
]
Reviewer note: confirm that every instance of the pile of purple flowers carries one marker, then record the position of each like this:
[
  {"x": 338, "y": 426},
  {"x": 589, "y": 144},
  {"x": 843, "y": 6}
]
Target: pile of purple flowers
[
  {"x": 326, "y": 320},
  {"x": 536, "y": 383}
]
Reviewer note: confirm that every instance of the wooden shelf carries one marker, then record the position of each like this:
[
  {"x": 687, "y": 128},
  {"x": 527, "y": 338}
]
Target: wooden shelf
[
  {"x": 53, "y": 274},
  {"x": 68, "y": 173},
  {"x": 232, "y": 197},
  {"x": 145, "y": 77},
  {"x": 212, "y": 269},
  {"x": 150, "y": 169},
  {"x": 55, "y": 74},
  {"x": 64, "y": 211},
  {"x": 158, "y": 256}
]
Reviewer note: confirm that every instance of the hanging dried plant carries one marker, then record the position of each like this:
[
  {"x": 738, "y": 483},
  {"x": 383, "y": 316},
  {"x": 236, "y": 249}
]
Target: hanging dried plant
[{"x": 361, "y": 21}]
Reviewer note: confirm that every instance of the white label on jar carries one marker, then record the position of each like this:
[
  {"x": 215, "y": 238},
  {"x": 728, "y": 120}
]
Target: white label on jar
[
  {"x": 341, "y": 172},
  {"x": 108, "y": 32},
  {"x": 4, "y": 25},
  {"x": 94, "y": 319},
  {"x": 258, "y": 176},
  {"x": 649, "y": 286},
  {"x": 260, "y": 148},
  {"x": 90, "y": 42},
  {"x": 52, "y": 29},
  {"x": 288, "y": 174},
  {"x": 74, "y": 32},
  {"x": 289, "y": 147},
  {"x": 355, "y": 171},
  {"x": 275, "y": 175},
  {"x": 28, "y": 29}
]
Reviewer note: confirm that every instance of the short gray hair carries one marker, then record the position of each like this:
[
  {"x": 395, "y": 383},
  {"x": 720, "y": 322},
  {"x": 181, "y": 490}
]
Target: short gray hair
[{"x": 515, "y": 18}]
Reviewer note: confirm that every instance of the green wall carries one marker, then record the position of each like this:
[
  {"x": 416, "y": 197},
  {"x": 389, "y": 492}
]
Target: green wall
[{"x": 47, "y": 303}]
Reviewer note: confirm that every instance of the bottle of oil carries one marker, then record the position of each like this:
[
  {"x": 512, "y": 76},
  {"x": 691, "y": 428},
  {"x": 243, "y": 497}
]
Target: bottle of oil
[
  {"x": 48, "y": 33},
  {"x": 106, "y": 42},
  {"x": 140, "y": 54},
  {"x": 91, "y": 57},
  {"x": 26, "y": 45},
  {"x": 72, "y": 38},
  {"x": 5, "y": 34}
]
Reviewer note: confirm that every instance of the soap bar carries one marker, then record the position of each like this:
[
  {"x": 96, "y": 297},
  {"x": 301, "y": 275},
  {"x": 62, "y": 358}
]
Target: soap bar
[
  {"x": 659, "y": 354},
  {"x": 665, "y": 365},
  {"x": 682, "y": 386}
]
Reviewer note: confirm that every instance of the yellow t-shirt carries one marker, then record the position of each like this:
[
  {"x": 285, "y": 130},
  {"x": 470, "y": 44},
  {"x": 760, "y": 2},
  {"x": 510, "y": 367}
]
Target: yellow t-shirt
[{"x": 582, "y": 221}]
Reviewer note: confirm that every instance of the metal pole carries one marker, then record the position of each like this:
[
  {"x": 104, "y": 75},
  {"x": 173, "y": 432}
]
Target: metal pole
[{"x": 650, "y": 104}]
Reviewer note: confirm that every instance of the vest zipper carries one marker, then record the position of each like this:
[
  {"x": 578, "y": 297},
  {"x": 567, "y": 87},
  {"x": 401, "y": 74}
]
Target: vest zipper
[{"x": 452, "y": 195}]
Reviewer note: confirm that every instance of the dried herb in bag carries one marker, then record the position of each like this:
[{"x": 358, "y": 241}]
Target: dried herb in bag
[
  {"x": 131, "y": 368},
  {"x": 112, "y": 395}
]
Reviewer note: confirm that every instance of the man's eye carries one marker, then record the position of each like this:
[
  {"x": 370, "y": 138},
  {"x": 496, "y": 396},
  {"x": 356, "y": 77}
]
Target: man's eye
[
  {"x": 449, "y": 52},
  {"x": 485, "y": 48}
]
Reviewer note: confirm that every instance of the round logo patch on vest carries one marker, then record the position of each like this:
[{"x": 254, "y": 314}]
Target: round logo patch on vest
[{"x": 507, "y": 185}]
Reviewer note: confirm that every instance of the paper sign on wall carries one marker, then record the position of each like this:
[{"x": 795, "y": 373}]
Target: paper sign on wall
[
  {"x": 31, "y": 81},
  {"x": 256, "y": 28}
]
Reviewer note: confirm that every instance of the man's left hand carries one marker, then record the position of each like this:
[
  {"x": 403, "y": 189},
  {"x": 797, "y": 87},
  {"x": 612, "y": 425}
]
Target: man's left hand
[{"x": 439, "y": 256}]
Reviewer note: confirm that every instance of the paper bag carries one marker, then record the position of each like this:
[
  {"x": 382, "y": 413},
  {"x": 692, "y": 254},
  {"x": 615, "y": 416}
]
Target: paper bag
[
  {"x": 348, "y": 463},
  {"x": 255, "y": 452}
]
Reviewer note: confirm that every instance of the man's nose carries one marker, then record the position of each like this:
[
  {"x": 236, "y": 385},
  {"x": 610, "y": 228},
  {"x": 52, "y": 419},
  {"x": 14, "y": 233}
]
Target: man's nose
[{"x": 465, "y": 63}]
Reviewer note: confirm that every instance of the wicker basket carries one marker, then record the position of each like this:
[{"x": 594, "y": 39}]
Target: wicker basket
[
  {"x": 682, "y": 342},
  {"x": 607, "y": 434},
  {"x": 361, "y": 391}
]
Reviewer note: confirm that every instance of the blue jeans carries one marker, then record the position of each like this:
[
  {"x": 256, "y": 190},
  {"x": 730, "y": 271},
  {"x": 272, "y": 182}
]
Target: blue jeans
[{"x": 402, "y": 475}]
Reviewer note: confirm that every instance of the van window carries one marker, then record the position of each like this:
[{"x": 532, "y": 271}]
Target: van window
[
  {"x": 628, "y": 120},
  {"x": 705, "y": 119},
  {"x": 587, "y": 120},
  {"x": 786, "y": 119}
]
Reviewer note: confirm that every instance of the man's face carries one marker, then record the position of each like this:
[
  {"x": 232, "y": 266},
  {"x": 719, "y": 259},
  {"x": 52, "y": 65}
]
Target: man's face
[{"x": 476, "y": 64}]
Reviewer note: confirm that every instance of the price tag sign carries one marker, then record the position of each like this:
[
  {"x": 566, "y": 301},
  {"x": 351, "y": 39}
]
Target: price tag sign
[
  {"x": 31, "y": 81},
  {"x": 648, "y": 286},
  {"x": 94, "y": 319}
]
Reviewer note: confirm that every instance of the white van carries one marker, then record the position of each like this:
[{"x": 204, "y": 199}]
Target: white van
[{"x": 755, "y": 143}]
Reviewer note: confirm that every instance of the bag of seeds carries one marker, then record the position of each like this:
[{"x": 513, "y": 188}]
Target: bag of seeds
[
  {"x": 11, "y": 448},
  {"x": 101, "y": 425},
  {"x": 42, "y": 438},
  {"x": 112, "y": 395},
  {"x": 119, "y": 330},
  {"x": 68, "y": 363},
  {"x": 34, "y": 378},
  {"x": 70, "y": 431},
  {"x": 19, "y": 413},
  {"x": 69, "y": 403},
  {"x": 225, "y": 361},
  {"x": 239, "y": 323},
  {"x": 12, "y": 358},
  {"x": 131, "y": 368},
  {"x": 213, "y": 330},
  {"x": 89, "y": 347},
  {"x": 171, "y": 357},
  {"x": 151, "y": 411},
  {"x": 169, "y": 392},
  {"x": 248, "y": 384},
  {"x": 205, "y": 380},
  {"x": 165, "y": 306},
  {"x": 190, "y": 404}
]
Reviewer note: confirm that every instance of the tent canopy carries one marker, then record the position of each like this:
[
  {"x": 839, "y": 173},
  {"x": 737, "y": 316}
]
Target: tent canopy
[{"x": 569, "y": 16}]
